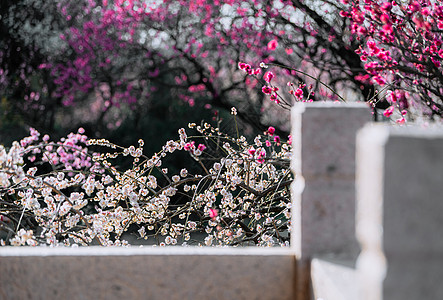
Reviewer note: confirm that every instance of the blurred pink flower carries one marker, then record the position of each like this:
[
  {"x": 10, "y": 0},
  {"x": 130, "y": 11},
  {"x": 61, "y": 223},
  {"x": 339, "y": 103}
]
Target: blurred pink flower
[{"x": 272, "y": 45}]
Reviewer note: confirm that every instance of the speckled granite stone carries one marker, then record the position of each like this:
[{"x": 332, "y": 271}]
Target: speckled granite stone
[
  {"x": 399, "y": 212},
  {"x": 324, "y": 136},
  {"x": 154, "y": 273}
]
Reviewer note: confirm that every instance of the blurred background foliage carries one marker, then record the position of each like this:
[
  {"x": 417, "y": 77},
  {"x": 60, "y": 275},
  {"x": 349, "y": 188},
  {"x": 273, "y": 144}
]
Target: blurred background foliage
[
  {"x": 32, "y": 52},
  {"x": 130, "y": 69}
]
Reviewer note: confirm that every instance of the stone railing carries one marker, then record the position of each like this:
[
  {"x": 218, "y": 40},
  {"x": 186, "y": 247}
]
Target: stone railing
[
  {"x": 390, "y": 249},
  {"x": 146, "y": 273},
  {"x": 400, "y": 212},
  {"x": 399, "y": 208}
]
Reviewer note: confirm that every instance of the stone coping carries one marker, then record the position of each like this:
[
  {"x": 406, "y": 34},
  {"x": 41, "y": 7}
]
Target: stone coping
[
  {"x": 329, "y": 104},
  {"x": 144, "y": 250},
  {"x": 411, "y": 130},
  {"x": 45, "y": 273}
]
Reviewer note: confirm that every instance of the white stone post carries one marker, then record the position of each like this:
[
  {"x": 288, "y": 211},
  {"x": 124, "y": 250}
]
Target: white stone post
[
  {"x": 323, "y": 218},
  {"x": 324, "y": 189},
  {"x": 400, "y": 212}
]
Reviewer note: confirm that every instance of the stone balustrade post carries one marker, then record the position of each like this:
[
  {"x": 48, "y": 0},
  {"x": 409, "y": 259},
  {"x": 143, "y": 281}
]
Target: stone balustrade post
[
  {"x": 323, "y": 219},
  {"x": 400, "y": 212}
]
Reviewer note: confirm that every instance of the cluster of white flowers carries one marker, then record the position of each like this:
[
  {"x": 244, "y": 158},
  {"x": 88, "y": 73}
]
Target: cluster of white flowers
[
  {"x": 65, "y": 195},
  {"x": 24, "y": 237}
]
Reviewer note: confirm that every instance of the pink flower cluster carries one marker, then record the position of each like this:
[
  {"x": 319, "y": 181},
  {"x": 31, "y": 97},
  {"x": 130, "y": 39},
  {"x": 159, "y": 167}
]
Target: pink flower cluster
[
  {"x": 248, "y": 69},
  {"x": 67, "y": 152},
  {"x": 196, "y": 151},
  {"x": 401, "y": 46}
]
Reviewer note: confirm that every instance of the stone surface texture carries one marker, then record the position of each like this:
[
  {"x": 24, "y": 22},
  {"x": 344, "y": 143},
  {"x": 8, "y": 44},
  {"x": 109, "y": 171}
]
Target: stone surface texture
[
  {"x": 399, "y": 217},
  {"x": 175, "y": 274},
  {"x": 324, "y": 137},
  {"x": 333, "y": 279},
  {"x": 371, "y": 263}
]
